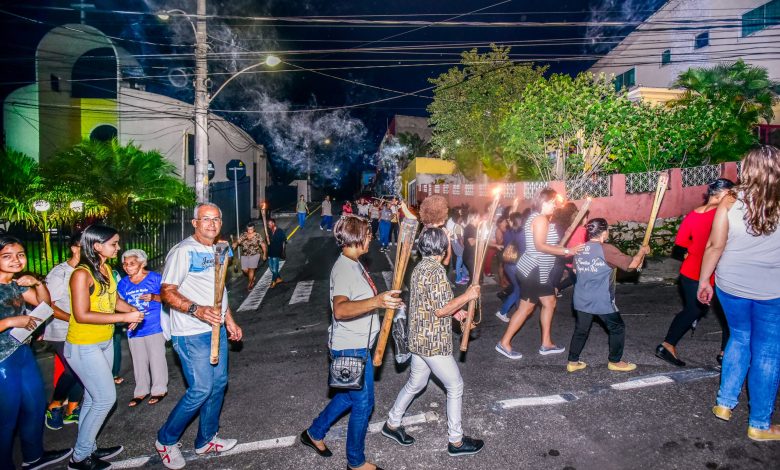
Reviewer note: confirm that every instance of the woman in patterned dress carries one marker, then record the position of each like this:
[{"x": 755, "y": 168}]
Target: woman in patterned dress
[
  {"x": 430, "y": 342},
  {"x": 252, "y": 245}
]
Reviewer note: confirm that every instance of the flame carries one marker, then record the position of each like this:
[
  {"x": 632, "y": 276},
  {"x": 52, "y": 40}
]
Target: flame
[
  {"x": 263, "y": 206},
  {"x": 589, "y": 198},
  {"x": 559, "y": 199},
  {"x": 497, "y": 191}
]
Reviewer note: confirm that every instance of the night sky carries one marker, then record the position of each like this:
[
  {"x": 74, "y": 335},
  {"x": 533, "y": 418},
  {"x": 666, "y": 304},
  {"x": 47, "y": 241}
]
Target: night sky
[{"x": 237, "y": 41}]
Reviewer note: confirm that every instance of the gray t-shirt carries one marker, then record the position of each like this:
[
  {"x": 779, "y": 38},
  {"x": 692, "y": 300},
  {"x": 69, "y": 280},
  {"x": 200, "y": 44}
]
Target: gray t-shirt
[
  {"x": 58, "y": 281},
  {"x": 749, "y": 266},
  {"x": 596, "y": 265},
  {"x": 326, "y": 208},
  {"x": 349, "y": 279}
]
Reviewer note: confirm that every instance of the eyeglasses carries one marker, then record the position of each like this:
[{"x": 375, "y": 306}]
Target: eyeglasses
[{"x": 208, "y": 220}]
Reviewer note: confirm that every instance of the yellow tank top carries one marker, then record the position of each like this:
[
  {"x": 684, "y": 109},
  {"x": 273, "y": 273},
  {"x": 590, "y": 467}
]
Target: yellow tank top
[{"x": 100, "y": 300}]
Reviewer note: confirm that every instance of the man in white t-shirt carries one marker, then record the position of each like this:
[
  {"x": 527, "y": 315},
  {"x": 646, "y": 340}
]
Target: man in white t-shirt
[
  {"x": 188, "y": 288},
  {"x": 68, "y": 386}
]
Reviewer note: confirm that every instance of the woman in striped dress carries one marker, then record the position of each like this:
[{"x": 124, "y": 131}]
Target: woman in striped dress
[{"x": 534, "y": 267}]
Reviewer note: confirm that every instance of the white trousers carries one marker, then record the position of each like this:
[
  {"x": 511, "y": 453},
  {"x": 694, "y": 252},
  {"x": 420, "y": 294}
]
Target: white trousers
[{"x": 446, "y": 370}]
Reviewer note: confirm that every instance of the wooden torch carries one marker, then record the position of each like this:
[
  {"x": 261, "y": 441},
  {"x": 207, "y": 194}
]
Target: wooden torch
[
  {"x": 221, "y": 259},
  {"x": 403, "y": 250},
  {"x": 483, "y": 239}
]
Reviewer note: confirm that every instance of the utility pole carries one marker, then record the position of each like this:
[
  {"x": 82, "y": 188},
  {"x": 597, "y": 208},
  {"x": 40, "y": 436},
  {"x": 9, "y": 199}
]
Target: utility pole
[{"x": 201, "y": 107}]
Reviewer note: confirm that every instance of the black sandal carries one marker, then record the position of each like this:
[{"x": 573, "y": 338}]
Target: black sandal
[
  {"x": 136, "y": 401},
  {"x": 157, "y": 399}
]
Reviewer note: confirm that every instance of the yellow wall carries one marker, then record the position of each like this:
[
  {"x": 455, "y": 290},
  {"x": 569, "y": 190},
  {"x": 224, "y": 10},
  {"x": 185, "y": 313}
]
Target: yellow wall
[
  {"x": 424, "y": 165},
  {"x": 94, "y": 112}
]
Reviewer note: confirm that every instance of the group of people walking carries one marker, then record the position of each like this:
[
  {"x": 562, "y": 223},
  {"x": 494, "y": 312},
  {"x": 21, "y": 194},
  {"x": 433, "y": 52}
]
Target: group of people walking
[
  {"x": 733, "y": 238},
  {"x": 88, "y": 302}
]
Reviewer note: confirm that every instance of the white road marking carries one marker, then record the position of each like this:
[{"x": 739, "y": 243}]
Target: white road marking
[
  {"x": 388, "y": 275},
  {"x": 532, "y": 401},
  {"x": 255, "y": 298},
  {"x": 644, "y": 382},
  {"x": 279, "y": 442},
  {"x": 302, "y": 292}
]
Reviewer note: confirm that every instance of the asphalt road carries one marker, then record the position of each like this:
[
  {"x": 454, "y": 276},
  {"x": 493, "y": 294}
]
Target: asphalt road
[{"x": 531, "y": 413}]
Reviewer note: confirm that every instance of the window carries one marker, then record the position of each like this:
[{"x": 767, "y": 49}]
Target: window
[
  {"x": 55, "y": 82},
  {"x": 103, "y": 133},
  {"x": 190, "y": 149},
  {"x": 702, "y": 40},
  {"x": 626, "y": 79},
  {"x": 760, "y": 18},
  {"x": 666, "y": 57}
]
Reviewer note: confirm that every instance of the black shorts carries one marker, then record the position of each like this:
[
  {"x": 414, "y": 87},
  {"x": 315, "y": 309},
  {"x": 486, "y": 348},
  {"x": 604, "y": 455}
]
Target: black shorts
[{"x": 531, "y": 288}]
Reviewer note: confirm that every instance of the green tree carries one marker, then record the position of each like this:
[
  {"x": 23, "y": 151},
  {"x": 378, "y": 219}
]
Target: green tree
[
  {"x": 23, "y": 185},
  {"x": 416, "y": 145},
  {"x": 564, "y": 127},
  {"x": 469, "y": 104},
  {"x": 740, "y": 95},
  {"x": 127, "y": 183}
]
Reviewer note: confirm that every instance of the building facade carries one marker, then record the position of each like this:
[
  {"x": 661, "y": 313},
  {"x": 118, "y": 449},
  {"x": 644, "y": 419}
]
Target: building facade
[
  {"x": 87, "y": 87},
  {"x": 695, "y": 33}
]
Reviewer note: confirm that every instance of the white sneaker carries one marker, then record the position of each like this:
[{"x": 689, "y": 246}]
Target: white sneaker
[
  {"x": 216, "y": 445},
  {"x": 170, "y": 455},
  {"x": 502, "y": 317}
]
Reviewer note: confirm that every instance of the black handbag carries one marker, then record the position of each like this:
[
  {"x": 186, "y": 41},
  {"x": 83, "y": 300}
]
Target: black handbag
[{"x": 348, "y": 372}]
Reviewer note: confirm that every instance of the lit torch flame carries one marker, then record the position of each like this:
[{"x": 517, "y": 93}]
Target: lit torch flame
[
  {"x": 559, "y": 199},
  {"x": 497, "y": 191}
]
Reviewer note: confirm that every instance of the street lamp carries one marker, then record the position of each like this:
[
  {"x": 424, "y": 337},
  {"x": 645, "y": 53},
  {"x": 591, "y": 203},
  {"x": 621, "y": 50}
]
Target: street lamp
[
  {"x": 43, "y": 206},
  {"x": 202, "y": 99}
]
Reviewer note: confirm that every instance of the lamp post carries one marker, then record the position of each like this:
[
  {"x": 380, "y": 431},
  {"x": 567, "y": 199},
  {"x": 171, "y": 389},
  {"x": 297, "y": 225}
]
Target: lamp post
[
  {"x": 202, "y": 99},
  {"x": 43, "y": 207}
]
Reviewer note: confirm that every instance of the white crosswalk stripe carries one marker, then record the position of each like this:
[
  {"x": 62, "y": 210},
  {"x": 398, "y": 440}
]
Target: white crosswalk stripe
[
  {"x": 255, "y": 298},
  {"x": 302, "y": 292}
]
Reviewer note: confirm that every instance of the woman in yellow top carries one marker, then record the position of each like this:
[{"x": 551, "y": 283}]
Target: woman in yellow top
[{"x": 89, "y": 344}]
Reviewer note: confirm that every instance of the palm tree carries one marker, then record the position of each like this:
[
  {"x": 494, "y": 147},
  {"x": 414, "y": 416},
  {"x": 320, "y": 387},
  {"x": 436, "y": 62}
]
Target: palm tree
[
  {"x": 747, "y": 87},
  {"x": 128, "y": 183},
  {"x": 24, "y": 186}
]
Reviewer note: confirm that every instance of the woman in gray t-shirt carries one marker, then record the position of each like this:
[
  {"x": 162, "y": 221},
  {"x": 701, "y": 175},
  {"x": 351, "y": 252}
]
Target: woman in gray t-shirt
[
  {"x": 594, "y": 294},
  {"x": 354, "y": 300},
  {"x": 745, "y": 246}
]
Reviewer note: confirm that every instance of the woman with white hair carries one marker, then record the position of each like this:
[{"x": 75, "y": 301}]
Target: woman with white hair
[{"x": 141, "y": 289}]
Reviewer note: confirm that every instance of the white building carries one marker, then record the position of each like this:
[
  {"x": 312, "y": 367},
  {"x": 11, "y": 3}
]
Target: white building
[
  {"x": 695, "y": 33},
  {"x": 86, "y": 87}
]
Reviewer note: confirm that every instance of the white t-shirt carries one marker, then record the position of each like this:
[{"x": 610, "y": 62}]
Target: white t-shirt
[
  {"x": 57, "y": 281},
  {"x": 190, "y": 266},
  {"x": 347, "y": 278},
  {"x": 363, "y": 209}
]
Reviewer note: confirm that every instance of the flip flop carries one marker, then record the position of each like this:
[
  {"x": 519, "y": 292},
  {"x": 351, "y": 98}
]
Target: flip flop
[
  {"x": 155, "y": 399},
  {"x": 136, "y": 400}
]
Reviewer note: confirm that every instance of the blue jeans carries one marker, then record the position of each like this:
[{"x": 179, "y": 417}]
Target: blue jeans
[
  {"x": 206, "y": 389},
  {"x": 301, "y": 219},
  {"x": 460, "y": 269},
  {"x": 327, "y": 222},
  {"x": 92, "y": 363},
  {"x": 273, "y": 265},
  {"x": 23, "y": 403},
  {"x": 511, "y": 273},
  {"x": 360, "y": 404},
  {"x": 753, "y": 350},
  {"x": 384, "y": 232}
]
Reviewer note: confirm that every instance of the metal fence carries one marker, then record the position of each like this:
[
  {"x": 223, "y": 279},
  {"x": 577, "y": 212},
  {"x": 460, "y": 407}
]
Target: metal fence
[
  {"x": 642, "y": 182},
  {"x": 156, "y": 238},
  {"x": 532, "y": 188},
  {"x": 593, "y": 186},
  {"x": 700, "y": 175}
]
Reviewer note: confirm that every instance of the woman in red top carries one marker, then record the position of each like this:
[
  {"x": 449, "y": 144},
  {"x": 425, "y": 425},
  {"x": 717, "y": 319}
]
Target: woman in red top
[{"x": 692, "y": 236}]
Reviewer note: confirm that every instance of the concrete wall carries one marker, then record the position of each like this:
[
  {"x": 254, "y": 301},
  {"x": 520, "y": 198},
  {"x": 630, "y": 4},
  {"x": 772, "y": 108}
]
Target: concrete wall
[
  {"x": 642, "y": 48},
  {"x": 20, "y": 121},
  {"x": 620, "y": 206}
]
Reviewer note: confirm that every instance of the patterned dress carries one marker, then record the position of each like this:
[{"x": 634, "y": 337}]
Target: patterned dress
[
  {"x": 250, "y": 246},
  {"x": 430, "y": 291}
]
